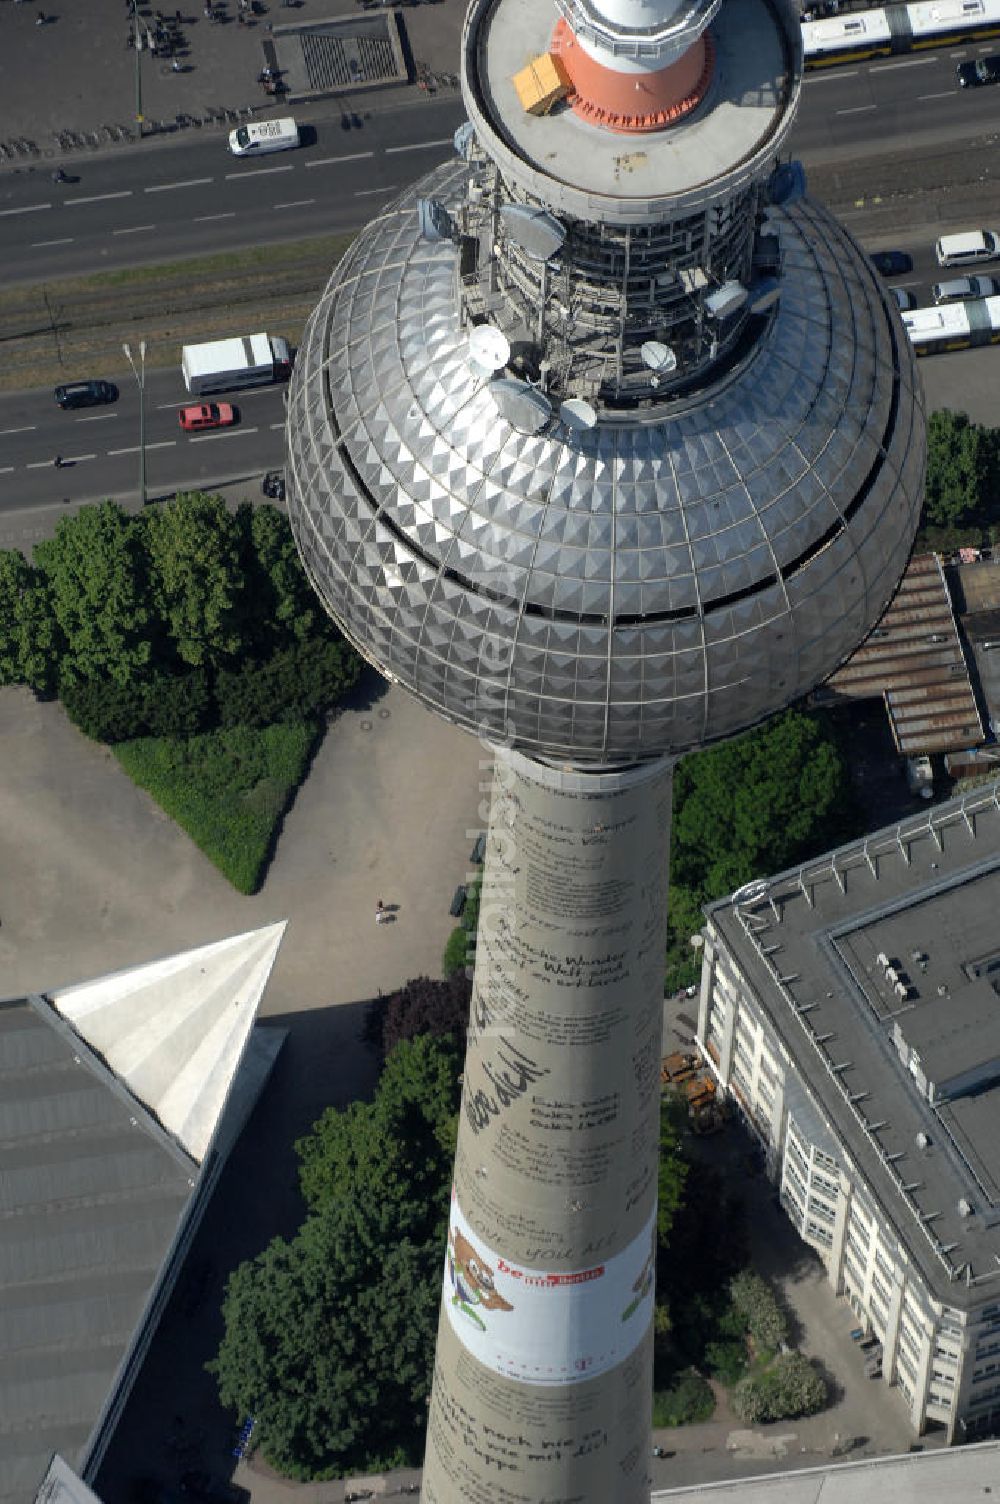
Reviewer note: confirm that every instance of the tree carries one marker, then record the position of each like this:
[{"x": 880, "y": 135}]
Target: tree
[
  {"x": 299, "y": 683},
  {"x": 754, "y": 1302},
  {"x": 196, "y": 577},
  {"x": 397, "y": 1150},
  {"x": 285, "y": 609},
  {"x": 672, "y": 1169},
  {"x": 427, "y": 1006},
  {"x": 790, "y": 1387},
  {"x": 94, "y": 570},
  {"x": 329, "y": 1340},
  {"x": 28, "y": 632},
  {"x": 962, "y": 470}
]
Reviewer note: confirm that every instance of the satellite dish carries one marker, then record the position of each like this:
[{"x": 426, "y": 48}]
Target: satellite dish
[
  {"x": 764, "y": 293},
  {"x": 464, "y": 140},
  {"x": 537, "y": 232},
  {"x": 658, "y": 357},
  {"x": 525, "y": 407},
  {"x": 434, "y": 220},
  {"x": 577, "y": 414},
  {"x": 489, "y": 348},
  {"x": 787, "y": 184}
]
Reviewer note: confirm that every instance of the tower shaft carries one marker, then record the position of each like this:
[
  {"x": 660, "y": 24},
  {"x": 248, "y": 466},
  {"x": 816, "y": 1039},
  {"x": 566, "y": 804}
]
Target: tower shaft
[{"x": 542, "y": 1385}]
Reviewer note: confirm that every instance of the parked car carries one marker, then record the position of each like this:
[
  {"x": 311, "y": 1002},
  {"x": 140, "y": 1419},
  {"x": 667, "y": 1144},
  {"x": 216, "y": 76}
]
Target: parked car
[
  {"x": 985, "y": 70},
  {"x": 958, "y": 289},
  {"x": 86, "y": 393},
  {"x": 206, "y": 415},
  {"x": 904, "y": 298},
  {"x": 273, "y": 485},
  {"x": 892, "y": 263}
]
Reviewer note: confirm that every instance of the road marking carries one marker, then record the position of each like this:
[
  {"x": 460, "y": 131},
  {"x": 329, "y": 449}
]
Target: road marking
[
  {"x": 6, "y": 469},
  {"x": 77, "y": 459},
  {"x": 223, "y": 433},
  {"x": 162, "y": 444},
  {"x": 40, "y": 465},
  {"x": 36, "y": 245},
  {"x": 204, "y": 218},
  {"x": 277, "y": 425},
  {"x": 133, "y": 230},
  {"x": 358, "y": 156},
  {"x": 169, "y": 187},
  {"x": 822, "y": 78},
  {"x": 296, "y": 203},
  {"x": 28, "y": 209},
  {"x": 97, "y": 418},
  {"x": 30, "y": 428},
  {"x": 99, "y": 198},
  {"x": 948, "y": 94},
  {"x": 260, "y": 172},
  {"x": 859, "y": 109},
  {"x": 912, "y": 62},
  {"x": 427, "y": 145},
  {"x": 367, "y": 192}
]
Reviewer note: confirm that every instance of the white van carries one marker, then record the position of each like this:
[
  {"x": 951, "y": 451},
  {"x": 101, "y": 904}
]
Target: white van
[
  {"x": 263, "y": 135},
  {"x": 966, "y": 249}
]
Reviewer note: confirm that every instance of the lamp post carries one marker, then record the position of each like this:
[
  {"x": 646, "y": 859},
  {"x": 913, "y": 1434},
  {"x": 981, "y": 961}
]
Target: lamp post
[
  {"x": 137, "y": 49},
  {"x": 140, "y": 377}
]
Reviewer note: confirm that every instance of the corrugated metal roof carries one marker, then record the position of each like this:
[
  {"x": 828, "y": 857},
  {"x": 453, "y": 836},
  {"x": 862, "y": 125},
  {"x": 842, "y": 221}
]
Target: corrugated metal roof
[
  {"x": 91, "y": 1193},
  {"x": 913, "y": 657}
]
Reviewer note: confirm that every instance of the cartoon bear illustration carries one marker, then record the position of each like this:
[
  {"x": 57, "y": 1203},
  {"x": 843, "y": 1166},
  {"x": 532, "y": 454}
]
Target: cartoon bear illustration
[{"x": 471, "y": 1280}]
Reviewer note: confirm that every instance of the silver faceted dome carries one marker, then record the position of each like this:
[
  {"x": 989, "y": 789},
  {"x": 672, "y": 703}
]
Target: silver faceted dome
[{"x": 658, "y": 581}]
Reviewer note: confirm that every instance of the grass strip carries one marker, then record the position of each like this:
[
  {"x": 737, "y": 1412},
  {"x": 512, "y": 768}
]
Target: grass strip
[{"x": 229, "y": 790}]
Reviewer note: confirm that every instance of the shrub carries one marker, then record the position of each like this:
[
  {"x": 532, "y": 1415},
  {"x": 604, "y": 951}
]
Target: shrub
[
  {"x": 726, "y": 1361},
  {"x": 427, "y": 1006},
  {"x": 457, "y": 953},
  {"x": 298, "y": 684},
  {"x": 688, "y": 1400},
  {"x": 754, "y": 1302},
  {"x": 791, "y": 1386},
  {"x": 164, "y": 705},
  {"x": 177, "y": 704}
]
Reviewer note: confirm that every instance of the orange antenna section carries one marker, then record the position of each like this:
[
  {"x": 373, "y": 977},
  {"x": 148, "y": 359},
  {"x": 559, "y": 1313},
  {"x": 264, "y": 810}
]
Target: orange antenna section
[{"x": 636, "y": 101}]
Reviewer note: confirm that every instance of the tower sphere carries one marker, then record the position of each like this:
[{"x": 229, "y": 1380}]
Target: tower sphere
[{"x": 595, "y": 553}]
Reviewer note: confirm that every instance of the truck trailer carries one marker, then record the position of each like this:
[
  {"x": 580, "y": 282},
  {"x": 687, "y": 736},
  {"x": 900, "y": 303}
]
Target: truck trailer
[{"x": 221, "y": 364}]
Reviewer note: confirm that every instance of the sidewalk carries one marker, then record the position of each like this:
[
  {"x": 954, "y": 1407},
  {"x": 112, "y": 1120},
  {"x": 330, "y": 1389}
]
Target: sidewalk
[{"x": 77, "y": 73}]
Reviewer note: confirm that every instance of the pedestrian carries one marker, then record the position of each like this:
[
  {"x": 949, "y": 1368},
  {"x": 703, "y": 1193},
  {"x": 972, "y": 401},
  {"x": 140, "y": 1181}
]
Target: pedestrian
[
  {"x": 58, "y": 461},
  {"x": 40, "y": 19},
  {"x": 178, "y": 17},
  {"x": 380, "y": 912},
  {"x": 176, "y": 65}
]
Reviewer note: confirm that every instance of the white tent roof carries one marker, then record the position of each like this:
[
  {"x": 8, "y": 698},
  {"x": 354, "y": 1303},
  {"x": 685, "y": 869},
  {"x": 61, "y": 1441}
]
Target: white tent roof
[{"x": 174, "y": 1030}]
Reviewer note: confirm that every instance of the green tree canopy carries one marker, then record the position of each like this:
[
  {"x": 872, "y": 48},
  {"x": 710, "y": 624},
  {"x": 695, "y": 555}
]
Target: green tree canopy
[
  {"x": 28, "y": 632},
  {"x": 329, "y": 1341},
  {"x": 398, "y": 1149},
  {"x": 963, "y": 471},
  {"x": 196, "y": 576},
  {"x": 282, "y": 607},
  {"x": 94, "y": 571}
]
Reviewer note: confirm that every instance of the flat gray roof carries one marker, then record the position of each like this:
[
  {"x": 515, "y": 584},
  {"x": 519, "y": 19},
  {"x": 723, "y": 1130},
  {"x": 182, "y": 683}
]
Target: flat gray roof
[
  {"x": 926, "y": 896},
  {"x": 92, "y": 1190},
  {"x": 955, "y": 1473}
]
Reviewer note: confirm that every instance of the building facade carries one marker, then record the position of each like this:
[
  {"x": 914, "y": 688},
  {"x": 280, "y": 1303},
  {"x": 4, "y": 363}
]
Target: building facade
[{"x": 847, "y": 1010}]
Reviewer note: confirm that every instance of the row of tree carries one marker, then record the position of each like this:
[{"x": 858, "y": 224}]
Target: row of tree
[
  {"x": 181, "y": 618},
  {"x": 963, "y": 473}
]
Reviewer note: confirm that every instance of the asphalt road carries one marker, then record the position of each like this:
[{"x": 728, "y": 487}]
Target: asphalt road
[{"x": 100, "y": 445}]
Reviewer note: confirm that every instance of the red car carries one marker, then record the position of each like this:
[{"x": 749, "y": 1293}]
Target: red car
[{"x": 206, "y": 415}]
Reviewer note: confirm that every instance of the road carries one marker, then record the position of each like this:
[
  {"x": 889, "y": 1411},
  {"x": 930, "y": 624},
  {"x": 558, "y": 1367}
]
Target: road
[
  {"x": 189, "y": 196},
  {"x": 100, "y": 445}
]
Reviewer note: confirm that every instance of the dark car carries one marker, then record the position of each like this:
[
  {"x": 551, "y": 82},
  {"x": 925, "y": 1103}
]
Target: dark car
[
  {"x": 985, "y": 70},
  {"x": 86, "y": 393},
  {"x": 892, "y": 263},
  {"x": 273, "y": 485}
]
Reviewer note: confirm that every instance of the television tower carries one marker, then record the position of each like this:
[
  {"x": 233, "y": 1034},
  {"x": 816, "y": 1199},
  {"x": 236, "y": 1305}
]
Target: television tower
[{"x": 606, "y": 442}]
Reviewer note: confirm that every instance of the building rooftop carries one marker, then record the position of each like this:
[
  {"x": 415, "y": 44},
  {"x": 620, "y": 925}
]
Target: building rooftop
[
  {"x": 110, "y": 1098},
  {"x": 830, "y": 948},
  {"x": 913, "y": 658},
  {"x": 959, "y": 1474}
]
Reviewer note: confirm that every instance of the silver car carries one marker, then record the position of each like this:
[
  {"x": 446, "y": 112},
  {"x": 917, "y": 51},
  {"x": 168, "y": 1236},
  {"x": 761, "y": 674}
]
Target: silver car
[{"x": 958, "y": 289}]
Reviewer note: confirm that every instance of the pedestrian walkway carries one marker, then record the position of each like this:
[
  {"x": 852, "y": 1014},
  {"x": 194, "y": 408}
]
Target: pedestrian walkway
[{"x": 78, "y": 76}]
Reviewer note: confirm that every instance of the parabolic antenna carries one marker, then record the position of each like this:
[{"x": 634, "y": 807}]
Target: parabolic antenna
[
  {"x": 464, "y": 140},
  {"x": 489, "y": 348},
  {"x": 538, "y": 233},
  {"x": 525, "y": 407},
  {"x": 577, "y": 414},
  {"x": 659, "y": 358}
]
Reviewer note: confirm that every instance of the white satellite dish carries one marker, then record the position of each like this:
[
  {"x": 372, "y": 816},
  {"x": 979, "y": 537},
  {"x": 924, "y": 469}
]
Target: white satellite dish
[
  {"x": 577, "y": 414},
  {"x": 489, "y": 348},
  {"x": 658, "y": 357},
  {"x": 525, "y": 407}
]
